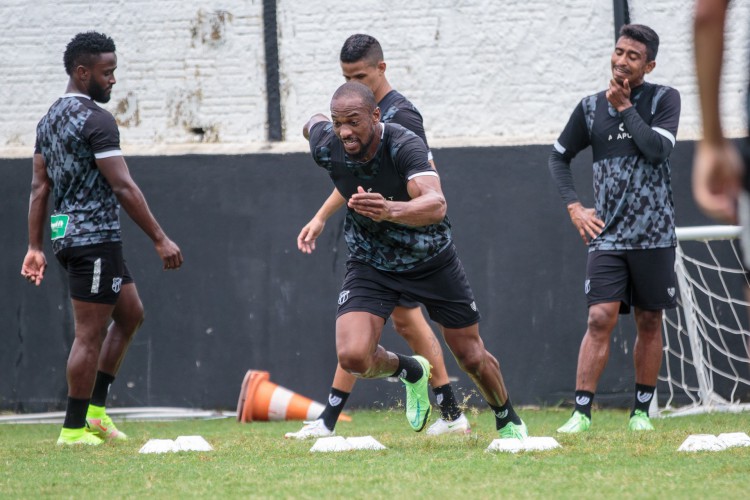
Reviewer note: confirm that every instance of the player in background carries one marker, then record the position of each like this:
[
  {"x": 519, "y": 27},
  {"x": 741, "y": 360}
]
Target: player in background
[
  {"x": 362, "y": 61},
  {"x": 399, "y": 242},
  {"x": 631, "y": 128},
  {"x": 77, "y": 158},
  {"x": 718, "y": 170},
  {"x": 721, "y": 186}
]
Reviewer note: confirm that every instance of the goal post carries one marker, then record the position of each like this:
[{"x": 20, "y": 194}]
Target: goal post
[{"x": 706, "y": 365}]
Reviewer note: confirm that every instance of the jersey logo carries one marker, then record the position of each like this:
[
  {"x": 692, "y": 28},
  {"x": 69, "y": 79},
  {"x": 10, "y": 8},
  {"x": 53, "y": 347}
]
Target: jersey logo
[{"x": 621, "y": 134}]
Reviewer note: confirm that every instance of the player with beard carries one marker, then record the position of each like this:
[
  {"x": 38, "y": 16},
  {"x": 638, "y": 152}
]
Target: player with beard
[
  {"x": 77, "y": 158},
  {"x": 399, "y": 241},
  {"x": 361, "y": 60}
]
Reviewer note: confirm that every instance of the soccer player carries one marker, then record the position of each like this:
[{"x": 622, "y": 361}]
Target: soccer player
[
  {"x": 399, "y": 242},
  {"x": 718, "y": 171},
  {"x": 362, "y": 61},
  {"x": 77, "y": 158},
  {"x": 631, "y": 128}
]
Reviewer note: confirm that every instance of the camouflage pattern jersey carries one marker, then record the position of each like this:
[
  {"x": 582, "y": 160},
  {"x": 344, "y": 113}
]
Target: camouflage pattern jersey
[
  {"x": 401, "y": 155},
  {"x": 70, "y": 137}
]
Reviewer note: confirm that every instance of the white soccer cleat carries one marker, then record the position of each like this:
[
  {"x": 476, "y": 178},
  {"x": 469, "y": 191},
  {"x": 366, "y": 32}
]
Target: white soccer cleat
[
  {"x": 311, "y": 429},
  {"x": 458, "y": 426}
]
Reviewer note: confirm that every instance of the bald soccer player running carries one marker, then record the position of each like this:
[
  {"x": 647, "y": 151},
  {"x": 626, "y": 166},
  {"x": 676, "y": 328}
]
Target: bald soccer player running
[
  {"x": 362, "y": 61},
  {"x": 399, "y": 241}
]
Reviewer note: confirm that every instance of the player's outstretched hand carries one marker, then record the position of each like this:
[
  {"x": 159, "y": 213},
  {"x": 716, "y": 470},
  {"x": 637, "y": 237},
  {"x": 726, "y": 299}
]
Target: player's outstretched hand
[
  {"x": 33, "y": 266},
  {"x": 308, "y": 235},
  {"x": 170, "y": 253},
  {"x": 717, "y": 174}
]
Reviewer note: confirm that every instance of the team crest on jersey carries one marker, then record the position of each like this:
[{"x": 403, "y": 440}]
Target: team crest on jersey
[
  {"x": 116, "y": 284},
  {"x": 671, "y": 291},
  {"x": 343, "y": 296}
]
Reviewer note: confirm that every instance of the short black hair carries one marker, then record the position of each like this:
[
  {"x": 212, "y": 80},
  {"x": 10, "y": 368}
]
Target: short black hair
[
  {"x": 359, "y": 90},
  {"x": 83, "y": 47},
  {"x": 361, "y": 47},
  {"x": 645, "y": 35}
]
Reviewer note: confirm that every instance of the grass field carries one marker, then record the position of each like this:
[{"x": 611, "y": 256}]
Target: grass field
[{"x": 255, "y": 461}]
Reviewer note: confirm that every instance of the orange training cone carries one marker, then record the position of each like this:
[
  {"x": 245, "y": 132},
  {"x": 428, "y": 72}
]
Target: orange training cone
[{"x": 261, "y": 399}]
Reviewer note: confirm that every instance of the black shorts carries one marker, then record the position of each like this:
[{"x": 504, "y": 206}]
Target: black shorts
[
  {"x": 640, "y": 278},
  {"x": 96, "y": 273},
  {"x": 407, "y": 302},
  {"x": 440, "y": 284}
]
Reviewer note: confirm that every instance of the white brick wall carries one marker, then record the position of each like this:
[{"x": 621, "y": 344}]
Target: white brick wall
[{"x": 483, "y": 72}]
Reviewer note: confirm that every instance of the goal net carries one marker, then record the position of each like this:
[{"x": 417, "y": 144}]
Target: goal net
[{"x": 706, "y": 363}]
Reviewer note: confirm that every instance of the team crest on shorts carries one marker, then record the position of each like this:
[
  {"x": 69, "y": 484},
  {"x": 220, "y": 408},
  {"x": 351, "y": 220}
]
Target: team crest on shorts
[
  {"x": 671, "y": 291},
  {"x": 343, "y": 296},
  {"x": 587, "y": 287},
  {"x": 116, "y": 284}
]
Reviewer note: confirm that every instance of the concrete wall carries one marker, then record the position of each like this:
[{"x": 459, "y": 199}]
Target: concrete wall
[
  {"x": 192, "y": 79},
  {"x": 192, "y": 73},
  {"x": 246, "y": 298}
]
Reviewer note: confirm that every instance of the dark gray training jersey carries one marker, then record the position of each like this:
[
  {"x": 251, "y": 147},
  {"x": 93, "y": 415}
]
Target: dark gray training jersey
[
  {"x": 395, "y": 108},
  {"x": 400, "y": 157},
  {"x": 632, "y": 185},
  {"x": 70, "y": 137}
]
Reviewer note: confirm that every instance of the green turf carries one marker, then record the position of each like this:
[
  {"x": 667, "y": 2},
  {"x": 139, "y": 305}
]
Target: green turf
[{"x": 255, "y": 461}]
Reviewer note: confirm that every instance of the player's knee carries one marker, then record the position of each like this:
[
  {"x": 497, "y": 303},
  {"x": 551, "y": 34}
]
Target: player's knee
[
  {"x": 132, "y": 320},
  {"x": 471, "y": 360},
  {"x": 354, "y": 362},
  {"x": 401, "y": 327},
  {"x": 649, "y": 322},
  {"x": 137, "y": 316},
  {"x": 600, "y": 321}
]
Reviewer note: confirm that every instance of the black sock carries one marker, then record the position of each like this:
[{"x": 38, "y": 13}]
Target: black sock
[
  {"x": 75, "y": 414},
  {"x": 643, "y": 396},
  {"x": 101, "y": 388},
  {"x": 334, "y": 407},
  {"x": 505, "y": 414},
  {"x": 409, "y": 369},
  {"x": 449, "y": 409},
  {"x": 584, "y": 400}
]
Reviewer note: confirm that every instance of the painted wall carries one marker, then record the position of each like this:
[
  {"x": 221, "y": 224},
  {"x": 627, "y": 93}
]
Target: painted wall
[
  {"x": 246, "y": 298},
  {"x": 192, "y": 73}
]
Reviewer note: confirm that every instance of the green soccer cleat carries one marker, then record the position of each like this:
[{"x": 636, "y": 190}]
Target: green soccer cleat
[
  {"x": 99, "y": 423},
  {"x": 640, "y": 421},
  {"x": 514, "y": 431},
  {"x": 71, "y": 437},
  {"x": 418, "y": 398},
  {"x": 578, "y": 422}
]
